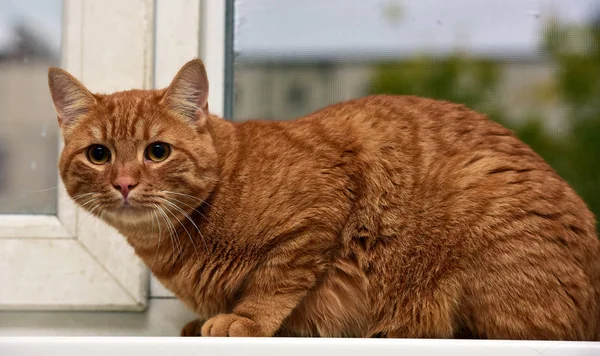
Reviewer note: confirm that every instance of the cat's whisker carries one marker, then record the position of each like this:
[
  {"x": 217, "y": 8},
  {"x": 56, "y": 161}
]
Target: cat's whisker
[
  {"x": 183, "y": 194},
  {"x": 82, "y": 205},
  {"x": 211, "y": 206},
  {"x": 38, "y": 190},
  {"x": 199, "y": 201},
  {"x": 189, "y": 206},
  {"x": 159, "y": 233},
  {"x": 81, "y": 196},
  {"x": 89, "y": 213},
  {"x": 86, "y": 210},
  {"x": 180, "y": 223},
  {"x": 190, "y": 220},
  {"x": 195, "y": 199},
  {"x": 172, "y": 231},
  {"x": 160, "y": 214}
]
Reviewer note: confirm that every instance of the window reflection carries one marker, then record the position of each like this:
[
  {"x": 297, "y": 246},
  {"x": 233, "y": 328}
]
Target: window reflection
[
  {"x": 29, "y": 44},
  {"x": 532, "y": 66}
]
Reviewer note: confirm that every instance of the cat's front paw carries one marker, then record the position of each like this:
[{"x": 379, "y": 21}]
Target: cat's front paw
[{"x": 231, "y": 325}]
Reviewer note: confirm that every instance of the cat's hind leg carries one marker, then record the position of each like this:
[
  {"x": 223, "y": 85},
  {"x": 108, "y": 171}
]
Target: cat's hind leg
[{"x": 520, "y": 294}]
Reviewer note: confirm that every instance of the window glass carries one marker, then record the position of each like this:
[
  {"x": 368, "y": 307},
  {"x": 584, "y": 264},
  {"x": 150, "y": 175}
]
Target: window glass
[
  {"x": 30, "y": 32},
  {"x": 533, "y": 66}
]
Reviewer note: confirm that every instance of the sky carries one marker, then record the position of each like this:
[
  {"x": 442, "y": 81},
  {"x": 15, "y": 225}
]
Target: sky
[
  {"x": 280, "y": 28},
  {"x": 43, "y": 16},
  {"x": 349, "y": 27}
]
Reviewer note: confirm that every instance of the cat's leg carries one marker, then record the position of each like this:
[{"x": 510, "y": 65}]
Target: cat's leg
[
  {"x": 271, "y": 294},
  {"x": 520, "y": 294},
  {"x": 259, "y": 314}
]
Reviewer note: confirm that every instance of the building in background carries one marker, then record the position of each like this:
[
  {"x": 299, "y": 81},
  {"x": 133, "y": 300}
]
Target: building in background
[
  {"x": 283, "y": 89},
  {"x": 28, "y": 129}
]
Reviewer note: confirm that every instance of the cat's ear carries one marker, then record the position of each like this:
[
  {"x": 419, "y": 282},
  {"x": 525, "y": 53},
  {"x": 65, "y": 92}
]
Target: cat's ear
[
  {"x": 187, "y": 96},
  {"x": 71, "y": 99}
]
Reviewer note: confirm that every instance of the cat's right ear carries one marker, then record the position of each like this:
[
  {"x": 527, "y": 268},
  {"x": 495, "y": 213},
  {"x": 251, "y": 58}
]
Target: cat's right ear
[
  {"x": 71, "y": 99},
  {"x": 187, "y": 96}
]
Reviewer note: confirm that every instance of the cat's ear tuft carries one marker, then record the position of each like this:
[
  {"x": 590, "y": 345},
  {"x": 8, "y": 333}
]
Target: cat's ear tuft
[
  {"x": 71, "y": 99},
  {"x": 187, "y": 96}
]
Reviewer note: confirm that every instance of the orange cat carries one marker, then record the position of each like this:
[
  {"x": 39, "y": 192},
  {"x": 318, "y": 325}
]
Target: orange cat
[{"x": 384, "y": 216}]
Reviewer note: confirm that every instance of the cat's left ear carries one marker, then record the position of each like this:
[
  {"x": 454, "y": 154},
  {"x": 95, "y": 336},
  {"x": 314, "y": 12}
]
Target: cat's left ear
[
  {"x": 71, "y": 99},
  {"x": 187, "y": 96}
]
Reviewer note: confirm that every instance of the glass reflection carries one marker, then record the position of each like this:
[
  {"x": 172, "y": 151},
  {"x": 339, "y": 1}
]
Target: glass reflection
[
  {"x": 532, "y": 66},
  {"x": 30, "y": 33}
]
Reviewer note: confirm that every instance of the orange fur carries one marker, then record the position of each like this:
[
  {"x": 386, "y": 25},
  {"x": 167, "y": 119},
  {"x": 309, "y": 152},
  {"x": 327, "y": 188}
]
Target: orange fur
[{"x": 383, "y": 216}]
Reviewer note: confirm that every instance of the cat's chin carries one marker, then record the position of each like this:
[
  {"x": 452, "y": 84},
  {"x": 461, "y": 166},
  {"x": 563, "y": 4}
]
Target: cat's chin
[{"x": 128, "y": 216}]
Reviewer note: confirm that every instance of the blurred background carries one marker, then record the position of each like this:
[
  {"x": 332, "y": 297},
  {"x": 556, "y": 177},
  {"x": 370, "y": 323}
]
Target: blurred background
[
  {"x": 533, "y": 66},
  {"x": 30, "y": 33}
]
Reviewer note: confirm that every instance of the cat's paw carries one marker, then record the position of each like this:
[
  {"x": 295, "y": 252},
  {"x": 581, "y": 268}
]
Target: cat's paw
[
  {"x": 193, "y": 328},
  {"x": 231, "y": 325}
]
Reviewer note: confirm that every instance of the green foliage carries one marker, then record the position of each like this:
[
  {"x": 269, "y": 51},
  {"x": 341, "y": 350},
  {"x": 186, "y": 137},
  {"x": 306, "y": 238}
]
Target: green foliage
[
  {"x": 575, "y": 54},
  {"x": 456, "y": 78}
]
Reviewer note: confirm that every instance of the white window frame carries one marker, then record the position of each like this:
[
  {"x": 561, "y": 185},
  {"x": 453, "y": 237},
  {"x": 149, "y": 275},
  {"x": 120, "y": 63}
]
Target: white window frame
[{"x": 71, "y": 261}]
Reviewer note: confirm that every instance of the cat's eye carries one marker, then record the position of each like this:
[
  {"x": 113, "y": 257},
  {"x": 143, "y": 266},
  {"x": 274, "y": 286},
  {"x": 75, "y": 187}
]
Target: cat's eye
[
  {"x": 158, "y": 151},
  {"x": 98, "y": 154}
]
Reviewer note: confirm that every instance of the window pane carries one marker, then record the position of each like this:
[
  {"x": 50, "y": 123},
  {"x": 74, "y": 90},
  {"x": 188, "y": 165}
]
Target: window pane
[
  {"x": 534, "y": 66},
  {"x": 30, "y": 34}
]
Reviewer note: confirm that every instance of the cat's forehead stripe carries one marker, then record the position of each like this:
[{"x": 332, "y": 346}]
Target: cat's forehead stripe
[
  {"x": 125, "y": 118},
  {"x": 97, "y": 134},
  {"x": 107, "y": 128},
  {"x": 139, "y": 127}
]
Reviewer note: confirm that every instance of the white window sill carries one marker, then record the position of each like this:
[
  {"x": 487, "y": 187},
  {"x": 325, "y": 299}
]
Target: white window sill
[{"x": 134, "y": 346}]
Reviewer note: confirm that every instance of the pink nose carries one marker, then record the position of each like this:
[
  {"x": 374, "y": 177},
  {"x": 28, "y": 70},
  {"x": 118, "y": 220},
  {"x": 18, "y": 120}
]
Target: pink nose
[{"x": 124, "y": 184}]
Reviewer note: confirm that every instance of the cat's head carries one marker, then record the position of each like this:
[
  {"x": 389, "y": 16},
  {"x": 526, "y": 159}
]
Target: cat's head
[{"x": 131, "y": 155}]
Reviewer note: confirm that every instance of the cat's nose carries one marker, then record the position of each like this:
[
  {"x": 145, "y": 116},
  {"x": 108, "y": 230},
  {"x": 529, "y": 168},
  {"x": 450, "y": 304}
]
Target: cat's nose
[{"x": 124, "y": 184}]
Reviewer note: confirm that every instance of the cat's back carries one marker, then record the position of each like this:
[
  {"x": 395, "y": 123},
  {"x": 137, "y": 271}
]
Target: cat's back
[
  {"x": 433, "y": 127},
  {"x": 447, "y": 162},
  {"x": 442, "y": 155},
  {"x": 428, "y": 163}
]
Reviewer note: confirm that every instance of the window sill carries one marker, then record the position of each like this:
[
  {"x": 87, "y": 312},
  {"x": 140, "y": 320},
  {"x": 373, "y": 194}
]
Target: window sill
[{"x": 150, "y": 346}]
